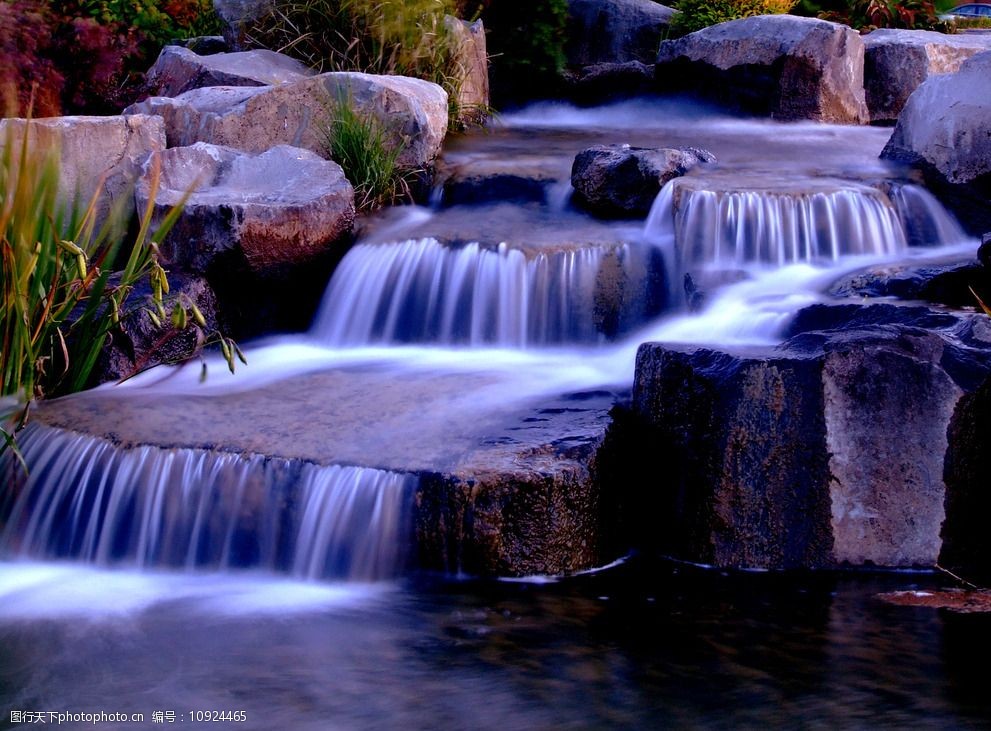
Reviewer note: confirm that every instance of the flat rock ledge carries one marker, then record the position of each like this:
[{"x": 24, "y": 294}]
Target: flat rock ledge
[
  {"x": 853, "y": 444},
  {"x": 178, "y": 70},
  {"x": 506, "y": 491}
]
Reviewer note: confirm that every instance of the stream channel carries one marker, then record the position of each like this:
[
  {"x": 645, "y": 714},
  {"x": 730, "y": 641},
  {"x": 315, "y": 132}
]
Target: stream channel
[{"x": 135, "y": 580}]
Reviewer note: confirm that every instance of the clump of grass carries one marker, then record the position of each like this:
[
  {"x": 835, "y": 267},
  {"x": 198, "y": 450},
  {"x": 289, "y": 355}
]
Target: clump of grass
[
  {"x": 694, "y": 15},
  {"x": 361, "y": 144},
  {"x": 60, "y": 298}
]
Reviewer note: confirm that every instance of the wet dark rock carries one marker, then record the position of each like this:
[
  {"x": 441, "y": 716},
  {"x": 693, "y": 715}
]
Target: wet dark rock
[
  {"x": 614, "y": 31},
  {"x": 602, "y": 82},
  {"x": 623, "y": 181},
  {"x": 825, "y": 451},
  {"x": 897, "y": 61},
  {"x": 204, "y": 45},
  {"x": 494, "y": 180},
  {"x": 782, "y": 66},
  {"x": 984, "y": 251},
  {"x": 179, "y": 70},
  {"x": 945, "y": 284},
  {"x": 942, "y": 131},
  {"x": 139, "y": 344}
]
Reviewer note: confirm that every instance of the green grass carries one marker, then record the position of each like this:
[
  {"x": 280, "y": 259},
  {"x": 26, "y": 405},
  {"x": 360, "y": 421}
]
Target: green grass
[{"x": 360, "y": 144}]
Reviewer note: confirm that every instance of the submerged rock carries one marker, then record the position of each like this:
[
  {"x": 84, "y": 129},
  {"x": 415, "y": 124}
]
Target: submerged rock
[
  {"x": 943, "y": 130},
  {"x": 619, "y": 180},
  {"x": 828, "y": 450},
  {"x": 275, "y": 210},
  {"x": 413, "y": 112},
  {"x": 614, "y": 31},
  {"x": 179, "y": 70},
  {"x": 897, "y": 61},
  {"x": 779, "y": 65}
]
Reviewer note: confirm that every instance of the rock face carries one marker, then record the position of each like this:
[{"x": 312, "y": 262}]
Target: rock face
[
  {"x": 896, "y": 62},
  {"x": 604, "y": 81},
  {"x": 178, "y": 70},
  {"x": 98, "y": 154},
  {"x": 278, "y": 209},
  {"x": 779, "y": 65},
  {"x": 619, "y": 180},
  {"x": 253, "y": 119},
  {"x": 614, "y": 31},
  {"x": 943, "y": 130},
  {"x": 472, "y": 61},
  {"x": 828, "y": 450}
]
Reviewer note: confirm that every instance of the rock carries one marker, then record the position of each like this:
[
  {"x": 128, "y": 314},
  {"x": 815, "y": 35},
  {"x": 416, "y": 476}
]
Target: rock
[
  {"x": 492, "y": 180},
  {"x": 984, "y": 251},
  {"x": 506, "y": 485},
  {"x": 778, "y": 65},
  {"x": 139, "y": 344},
  {"x": 472, "y": 62},
  {"x": 607, "y": 81},
  {"x": 946, "y": 284},
  {"x": 238, "y": 17},
  {"x": 275, "y": 210},
  {"x": 619, "y": 180},
  {"x": 204, "y": 45},
  {"x": 943, "y": 130},
  {"x": 828, "y": 450},
  {"x": 614, "y": 31},
  {"x": 99, "y": 155},
  {"x": 254, "y": 119},
  {"x": 896, "y": 62},
  {"x": 178, "y": 70}
]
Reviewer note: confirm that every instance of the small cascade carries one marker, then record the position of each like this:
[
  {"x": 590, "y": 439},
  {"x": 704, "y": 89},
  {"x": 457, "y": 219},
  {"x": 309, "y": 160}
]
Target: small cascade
[
  {"x": 423, "y": 291},
  {"x": 739, "y": 228},
  {"x": 926, "y": 221},
  {"x": 88, "y": 499}
]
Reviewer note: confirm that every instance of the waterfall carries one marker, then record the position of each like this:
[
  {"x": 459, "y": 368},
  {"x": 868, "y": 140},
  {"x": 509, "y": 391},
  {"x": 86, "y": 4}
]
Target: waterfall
[
  {"x": 423, "y": 291},
  {"x": 736, "y": 228},
  {"x": 88, "y": 499}
]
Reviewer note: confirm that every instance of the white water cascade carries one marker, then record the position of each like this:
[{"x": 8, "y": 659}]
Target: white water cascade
[
  {"x": 423, "y": 291},
  {"x": 148, "y": 507}
]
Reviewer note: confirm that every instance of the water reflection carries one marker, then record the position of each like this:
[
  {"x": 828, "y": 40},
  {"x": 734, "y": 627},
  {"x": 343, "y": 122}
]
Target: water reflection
[{"x": 644, "y": 645}]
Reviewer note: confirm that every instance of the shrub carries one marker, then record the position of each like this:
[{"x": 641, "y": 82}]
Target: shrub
[
  {"x": 359, "y": 143},
  {"x": 867, "y": 15},
  {"x": 87, "y": 56},
  {"x": 694, "y": 15}
]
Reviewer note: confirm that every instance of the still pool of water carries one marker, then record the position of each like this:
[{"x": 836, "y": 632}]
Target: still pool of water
[{"x": 642, "y": 645}]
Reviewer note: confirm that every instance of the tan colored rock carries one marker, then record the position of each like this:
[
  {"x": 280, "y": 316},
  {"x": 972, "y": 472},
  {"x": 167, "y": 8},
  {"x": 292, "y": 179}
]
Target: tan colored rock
[
  {"x": 472, "y": 62},
  {"x": 255, "y": 119},
  {"x": 280, "y": 208},
  {"x": 98, "y": 154},
  {"x": 896, "y": 62},
  {"x": 178, "y": 70}
]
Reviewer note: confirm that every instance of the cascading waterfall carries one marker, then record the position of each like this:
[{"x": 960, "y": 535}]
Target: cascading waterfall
[
  {"x": 700, "y": 229},
  {"x": 423, "y": 291},
  {"x": 88, "y": 499}
]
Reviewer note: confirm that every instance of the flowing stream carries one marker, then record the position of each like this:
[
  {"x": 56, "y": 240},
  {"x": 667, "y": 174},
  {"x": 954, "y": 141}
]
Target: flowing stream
[{"x": 180, "y": 558}]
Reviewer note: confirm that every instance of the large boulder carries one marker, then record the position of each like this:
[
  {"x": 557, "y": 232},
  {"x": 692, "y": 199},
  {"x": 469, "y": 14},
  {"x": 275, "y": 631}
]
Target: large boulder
[
  {"x": 619, "y": 180},
  {"x": 826, "y": 451},
  {"x": 253, "y": 119},
  {"x": 779, "y": 65},
  {"x": 472, "y": 63},
  {"x": 896, "y": 62},
  {"x": 178, "y": 70},
  {"x": 275, "y": 210},
  {"x": 945, "y": 130},
  {"x": 98, "y": 155},
  {"x": 614, "y": 31}
]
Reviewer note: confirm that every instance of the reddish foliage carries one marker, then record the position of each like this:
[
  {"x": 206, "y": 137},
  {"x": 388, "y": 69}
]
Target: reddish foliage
[{"x": 25, "y": 62}]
